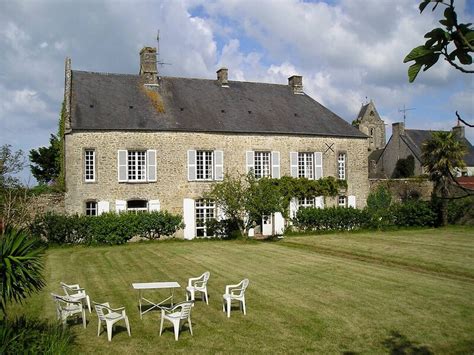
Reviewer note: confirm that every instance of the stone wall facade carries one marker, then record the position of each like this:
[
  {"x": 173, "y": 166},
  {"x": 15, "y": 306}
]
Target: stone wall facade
[
  {"x": 172, "y": 185},
  {"x": 401, "y": 189}
]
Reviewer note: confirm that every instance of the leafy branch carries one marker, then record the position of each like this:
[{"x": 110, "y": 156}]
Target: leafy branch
[{"x": 440, "y": 43}]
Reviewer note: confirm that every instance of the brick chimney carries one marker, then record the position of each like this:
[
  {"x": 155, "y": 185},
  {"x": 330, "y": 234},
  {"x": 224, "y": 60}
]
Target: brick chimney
[
  {"x": 459, "y": 131},
  {"x": 148, "y": 68},
  {"x": 222, "y": 77},
  {"x": 398, "y": 129},
  {"x": 296, "y": 83}
]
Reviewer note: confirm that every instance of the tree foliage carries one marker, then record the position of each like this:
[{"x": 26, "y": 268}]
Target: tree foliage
[
  {"x": 245, "y": 198},
  {"x": 45, "y": 161},
  {"x": 21, "y": 266},
  {"x": 11, "y": 163},
  {"x": 404, "y": 168},
  {"x": 441, "y": 155},
  {"x": 453, "y": 41}
]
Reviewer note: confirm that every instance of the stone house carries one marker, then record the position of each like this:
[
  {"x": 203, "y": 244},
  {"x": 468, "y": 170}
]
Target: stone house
[
  {"x": 145, "y": 142},
  {"x": 405, "y": 142}
]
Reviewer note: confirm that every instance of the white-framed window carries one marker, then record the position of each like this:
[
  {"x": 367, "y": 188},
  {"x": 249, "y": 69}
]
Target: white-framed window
[
  {"x": 89, "y": 165},
  {"x": 262, "y": 164},
  {"x": 306, "y": 202},
  {"x": 306, "y": 165},
  {"x": 204, "y": 164},
  {"x": 136, "y": 165},
  {"x": 341, "y": 166},
  {"x": 342, "y": 201},
  {"x": 205, "y": 210},
  {"x": 91, "y": 208},
  {"x": 137, "y": 206}
]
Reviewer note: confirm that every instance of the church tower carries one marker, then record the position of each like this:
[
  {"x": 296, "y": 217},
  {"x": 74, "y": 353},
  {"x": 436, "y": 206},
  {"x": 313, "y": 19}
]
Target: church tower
[{"x": 368, "y": 121}]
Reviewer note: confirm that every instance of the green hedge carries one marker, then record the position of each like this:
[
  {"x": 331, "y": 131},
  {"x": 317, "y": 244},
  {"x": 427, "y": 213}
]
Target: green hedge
[
  {"x": 413, "y": 213},
  {"x": 108, "y": 228},
  {"x": 330, "y": 219}
]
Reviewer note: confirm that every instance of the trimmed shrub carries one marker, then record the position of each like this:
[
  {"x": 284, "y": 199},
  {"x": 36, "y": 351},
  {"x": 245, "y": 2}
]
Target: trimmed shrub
[
  {"x": 414, "y": 213},
  {"x": 330, "y": 219},
  {"x": 108, "y": 228}
]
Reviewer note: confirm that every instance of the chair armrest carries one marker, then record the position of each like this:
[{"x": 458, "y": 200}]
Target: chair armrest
[
  {"x": 118, "y": 309},
  {"x": 228, "y": 288},
  {"x": 193, "y": 279}
]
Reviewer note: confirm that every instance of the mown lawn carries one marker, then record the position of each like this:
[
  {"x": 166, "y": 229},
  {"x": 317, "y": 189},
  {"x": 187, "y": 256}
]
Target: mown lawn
[{"x": 326, "y": 294}]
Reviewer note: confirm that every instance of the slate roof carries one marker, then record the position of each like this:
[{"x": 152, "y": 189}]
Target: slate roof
[
  {"x": 414, "y": 139},
  {"x": 119, "y": 102}
]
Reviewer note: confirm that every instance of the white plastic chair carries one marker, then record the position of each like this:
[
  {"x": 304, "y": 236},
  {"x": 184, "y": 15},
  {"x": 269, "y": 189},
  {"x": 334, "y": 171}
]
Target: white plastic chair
[
  {"x": 76, "y": 292},
  {"x": 235, "y": 292},
  {"x": 67, "y": 307},
  {"x": 180, "y": 312},
  {"x": 110, "y": 316},
  {"x": 198, "y": 284}
]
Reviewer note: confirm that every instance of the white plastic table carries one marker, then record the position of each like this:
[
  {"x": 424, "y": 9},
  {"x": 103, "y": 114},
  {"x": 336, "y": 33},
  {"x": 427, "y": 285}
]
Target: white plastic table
[{"x": 141, "y": 286}]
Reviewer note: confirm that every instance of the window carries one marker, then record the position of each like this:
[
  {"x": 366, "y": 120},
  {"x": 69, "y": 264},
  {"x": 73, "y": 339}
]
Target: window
[
  {"x": 89, "y": 165},
  {"x": 306, "y": 202},
  {"x": 305, "y": 165},
  {"x": 204, "y": 164},
  {"x": 205, "y": 211},
  {"x": 341, "y": 201},
  {"x": 91, "y": 208},
  {"x": 137, "y": 206},
  {"x": 262, "y": 167},
  {"x": 341, "y": 166},
  {"x": 136, "y": 165}
]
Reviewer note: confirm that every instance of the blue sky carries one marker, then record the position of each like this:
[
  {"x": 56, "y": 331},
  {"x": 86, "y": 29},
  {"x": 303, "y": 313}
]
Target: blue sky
[{"x": 346, "y": 51}]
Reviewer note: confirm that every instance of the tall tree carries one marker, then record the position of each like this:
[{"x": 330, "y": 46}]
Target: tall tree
[
  {"x": 441, "y": 155},
  {"x": 11, "y": 163},
  {"x": 45, "y": 161}
]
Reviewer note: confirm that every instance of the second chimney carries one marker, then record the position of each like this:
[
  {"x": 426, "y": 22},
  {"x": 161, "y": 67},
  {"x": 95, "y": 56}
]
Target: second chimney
[
  {"x": 459, "y": 131},
  {"x": 296, "y": 83},
  {"x": 222, "y": 77},
  {"x": 148, "y": 68},
  {"x": 398, "y": 128}
]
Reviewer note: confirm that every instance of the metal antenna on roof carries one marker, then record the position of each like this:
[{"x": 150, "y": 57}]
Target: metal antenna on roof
[
  {"x": 158, "y": 61},
  {"x": 404, "y": 110}
]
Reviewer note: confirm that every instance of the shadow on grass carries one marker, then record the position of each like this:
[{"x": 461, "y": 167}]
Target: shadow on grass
[{"x": 399, "y": 344}]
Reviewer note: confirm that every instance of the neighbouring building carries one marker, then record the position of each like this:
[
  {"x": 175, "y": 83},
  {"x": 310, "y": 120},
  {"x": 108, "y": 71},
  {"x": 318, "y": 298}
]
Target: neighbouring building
[
  {"x": 405, "y": 142},
  {"x": 145, "y": 142}
]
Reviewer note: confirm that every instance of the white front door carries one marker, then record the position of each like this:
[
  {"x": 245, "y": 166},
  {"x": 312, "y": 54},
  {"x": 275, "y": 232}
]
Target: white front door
[{"x": 267, "y": 225}]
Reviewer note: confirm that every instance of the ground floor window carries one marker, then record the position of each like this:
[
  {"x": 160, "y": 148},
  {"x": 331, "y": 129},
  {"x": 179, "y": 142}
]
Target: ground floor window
[
  {"x": 137, "y": 206},
  {"x": 205, "y": 211},
  {"x": 342, "y": 201},
  {"x": 306, "y": 202},
  {"x": 91, "y": 208}
]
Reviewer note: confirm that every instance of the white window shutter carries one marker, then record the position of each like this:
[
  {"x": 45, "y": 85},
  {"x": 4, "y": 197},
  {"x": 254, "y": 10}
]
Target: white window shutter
[
  {"x": 319, "y": 202},
  {"x": 151, "y": 164},
  {"x": 294, "y": 164},
  {"x": 154, "y": 205},
  {"x": 293, "y": 207},
  {"x": 250, "y": 159},
  {"x": 220, "y": 214},
  {"x": 276, "y": 165},
  {"x": 191, "y": 165},
  {"x": 189, "y": 219},
  {"x": 120, "y": 206},
  {"x": 122, "y": 165},
  {"x": 218, "y": 165},
  {"x": 103, "y": 207},
  {"x": 318, "y": 165},
  {"x": 279, "y": 223},
  {"x": 351, "y": 201}
]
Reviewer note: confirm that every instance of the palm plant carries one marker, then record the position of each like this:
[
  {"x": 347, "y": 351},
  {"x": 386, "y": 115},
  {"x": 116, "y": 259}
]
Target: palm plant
[
  {"x": 21, "y": 265},
  {"x": 441, "y": 155}
]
